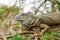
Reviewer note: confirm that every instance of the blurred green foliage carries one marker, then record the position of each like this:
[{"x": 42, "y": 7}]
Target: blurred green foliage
[
  {"x": 17, "y": 37},
  {"x": 47, "y": 36},
  {"x": 4, "y": 9},
  {"x": 58, "y": 5}
]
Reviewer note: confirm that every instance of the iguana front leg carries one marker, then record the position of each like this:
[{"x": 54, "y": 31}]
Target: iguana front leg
[
  {"x": 45, "y": 28},
  {"x": 24, "y": 29}
]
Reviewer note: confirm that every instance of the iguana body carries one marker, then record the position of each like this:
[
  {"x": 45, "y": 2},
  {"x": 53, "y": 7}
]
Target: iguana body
[
  {"x": 42, "y": 21},
  {"x": 50, "y": 19}
]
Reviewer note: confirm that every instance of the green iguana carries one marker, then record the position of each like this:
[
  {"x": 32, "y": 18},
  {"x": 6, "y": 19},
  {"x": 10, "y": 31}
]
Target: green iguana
[{"x": 45, "y": 21}]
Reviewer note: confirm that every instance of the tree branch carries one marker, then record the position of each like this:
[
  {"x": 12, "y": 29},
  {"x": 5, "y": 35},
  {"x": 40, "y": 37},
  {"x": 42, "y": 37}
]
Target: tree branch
[
  {"x": 37, "y": 9},
  {"x": 9, "y": 9},
  {"x": 21, "y": 33}
]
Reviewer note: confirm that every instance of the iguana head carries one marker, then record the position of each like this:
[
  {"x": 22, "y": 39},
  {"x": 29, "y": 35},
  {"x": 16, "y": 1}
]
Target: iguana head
[{"x": 25, "y": 17}]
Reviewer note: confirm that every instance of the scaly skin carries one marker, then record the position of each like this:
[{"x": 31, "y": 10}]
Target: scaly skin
[{"x": 29, "y": 20}]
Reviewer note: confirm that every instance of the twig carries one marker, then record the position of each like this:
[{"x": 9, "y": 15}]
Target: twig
[
  {"x": 37, "y": 9},
  {"x": 4, "y": 38},
  {"x": 8, "y": 11},
  {"x": 21, "y": 33}
]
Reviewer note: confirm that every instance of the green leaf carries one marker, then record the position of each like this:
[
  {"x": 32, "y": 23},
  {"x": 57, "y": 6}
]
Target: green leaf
[
  {"x": 16, "y": 9},
  {"x": 48, "y": 35},
  {"x": 17, "y": 37},
  {"x": 58, "y": 5},
  {"x": 58, "y": 35},
  {"x": 1, "y": 18}
]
